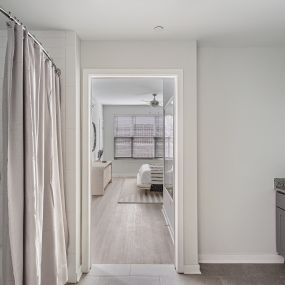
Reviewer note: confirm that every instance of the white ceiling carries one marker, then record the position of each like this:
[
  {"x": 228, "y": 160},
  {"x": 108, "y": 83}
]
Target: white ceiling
[
  {"x": 241, "y": 21},
  {"x": 126, "y": 91}
]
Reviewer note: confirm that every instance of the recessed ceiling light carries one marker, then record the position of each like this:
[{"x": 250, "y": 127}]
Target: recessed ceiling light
[{"x": 159, "y": 28}]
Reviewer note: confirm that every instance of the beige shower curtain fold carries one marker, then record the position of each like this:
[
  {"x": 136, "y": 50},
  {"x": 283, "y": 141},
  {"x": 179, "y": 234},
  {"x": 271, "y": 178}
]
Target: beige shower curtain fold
[{"x": 36, "y": 228}]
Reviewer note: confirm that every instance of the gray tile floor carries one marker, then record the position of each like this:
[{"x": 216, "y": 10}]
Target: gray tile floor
[{"x": 155, "y": 274}]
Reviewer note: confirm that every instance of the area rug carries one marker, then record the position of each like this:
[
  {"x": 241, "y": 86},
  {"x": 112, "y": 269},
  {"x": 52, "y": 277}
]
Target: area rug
[{"x": 131, "y": 194}]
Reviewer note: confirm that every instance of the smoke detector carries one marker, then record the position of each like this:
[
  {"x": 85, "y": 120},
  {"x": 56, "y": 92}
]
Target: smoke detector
[{"x": 158, "y": 28}]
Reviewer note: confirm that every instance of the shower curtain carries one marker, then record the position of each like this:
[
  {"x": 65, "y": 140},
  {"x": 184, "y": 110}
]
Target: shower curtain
[{"x": 35, "y": 232}]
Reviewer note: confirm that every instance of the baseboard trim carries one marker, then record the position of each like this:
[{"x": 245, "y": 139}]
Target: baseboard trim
[
  {"x": 168, "y": 224},
  {"x": 237, "y": 258},
  {"x": 192, "y": 269}
]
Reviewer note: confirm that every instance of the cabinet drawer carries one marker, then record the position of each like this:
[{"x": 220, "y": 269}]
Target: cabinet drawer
[
  {"x": 280, "y": 200},
  {"x": 280, "y": 234}
]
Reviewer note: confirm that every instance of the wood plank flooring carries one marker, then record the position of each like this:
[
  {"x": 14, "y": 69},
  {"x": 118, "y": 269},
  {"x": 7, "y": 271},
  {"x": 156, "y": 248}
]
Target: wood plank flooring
[{"x": 128, "y": 233}]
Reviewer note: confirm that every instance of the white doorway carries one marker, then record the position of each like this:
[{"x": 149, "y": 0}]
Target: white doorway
[{"x": 176, "y": 75}]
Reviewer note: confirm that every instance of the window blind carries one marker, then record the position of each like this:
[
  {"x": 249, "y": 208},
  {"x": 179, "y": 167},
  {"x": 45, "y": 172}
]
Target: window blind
[{"x": 138, "y": 136}]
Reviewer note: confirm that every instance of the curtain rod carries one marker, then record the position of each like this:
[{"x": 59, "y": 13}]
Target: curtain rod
[{"x": 17, "y": 21}]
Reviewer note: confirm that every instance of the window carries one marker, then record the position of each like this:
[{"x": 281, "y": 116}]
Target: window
[{"x": 138, "y": 136}]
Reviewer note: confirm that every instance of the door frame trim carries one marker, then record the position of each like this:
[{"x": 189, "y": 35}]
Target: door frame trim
[{"x": 88, "y": 74}]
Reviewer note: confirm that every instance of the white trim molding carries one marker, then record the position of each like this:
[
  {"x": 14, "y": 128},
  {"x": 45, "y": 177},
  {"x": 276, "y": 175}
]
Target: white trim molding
[
  {"x": 86, "y": 168},
  {"x": 192, "y": 269},
  {"x": 177, "y": 75},
  {"x": 240, "y": 258}
]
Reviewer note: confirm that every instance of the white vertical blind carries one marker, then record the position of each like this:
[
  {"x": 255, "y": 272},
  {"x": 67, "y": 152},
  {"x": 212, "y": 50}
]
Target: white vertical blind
[
  {"x": 138, "y": 136},
  {"x": 143, "y": 147},
  {"x": 123, "y": 126},
  {"x": 123, "y": 147}
]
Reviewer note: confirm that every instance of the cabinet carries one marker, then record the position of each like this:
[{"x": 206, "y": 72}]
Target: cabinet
[
  {"x": 101, "y": 177},
  {"x": 280, "y": 223}
]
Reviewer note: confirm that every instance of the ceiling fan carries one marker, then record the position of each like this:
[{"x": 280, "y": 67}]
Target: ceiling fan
[{"x": 154, "y": 102}]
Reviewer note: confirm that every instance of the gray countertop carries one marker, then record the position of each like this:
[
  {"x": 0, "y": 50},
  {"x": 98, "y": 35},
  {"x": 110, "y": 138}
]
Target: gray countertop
[{"x": 279, "y": 184}]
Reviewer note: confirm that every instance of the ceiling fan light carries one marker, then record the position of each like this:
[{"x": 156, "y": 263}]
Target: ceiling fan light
[{"x": 154, "y": 103}]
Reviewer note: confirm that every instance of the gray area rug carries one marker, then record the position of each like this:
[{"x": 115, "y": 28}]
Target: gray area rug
[{"x": 131, "y": 194}]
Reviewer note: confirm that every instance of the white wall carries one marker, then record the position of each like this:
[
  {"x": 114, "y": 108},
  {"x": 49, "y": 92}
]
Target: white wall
[
  {"x": 165, "y": 55},
  {"x": 123, "y": 167},
  {"x": 241, "y": 139}
]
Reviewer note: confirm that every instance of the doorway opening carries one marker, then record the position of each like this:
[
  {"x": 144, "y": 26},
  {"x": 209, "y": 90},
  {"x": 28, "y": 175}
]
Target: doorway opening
[{"x": 132, "y": 154}]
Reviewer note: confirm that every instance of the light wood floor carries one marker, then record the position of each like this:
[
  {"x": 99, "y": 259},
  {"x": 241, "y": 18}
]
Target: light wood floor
[{"x": 128, "y": 233}]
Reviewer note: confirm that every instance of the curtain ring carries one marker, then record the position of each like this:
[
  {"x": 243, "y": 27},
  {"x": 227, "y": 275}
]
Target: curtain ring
[{"x": 46, "y": 59}]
